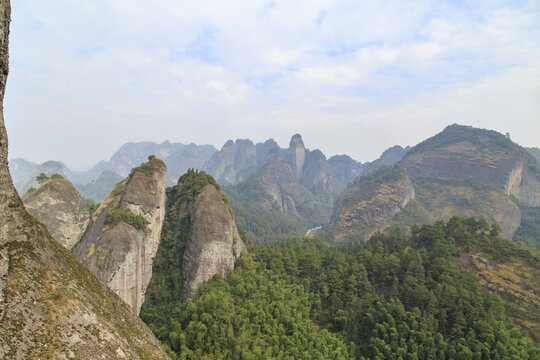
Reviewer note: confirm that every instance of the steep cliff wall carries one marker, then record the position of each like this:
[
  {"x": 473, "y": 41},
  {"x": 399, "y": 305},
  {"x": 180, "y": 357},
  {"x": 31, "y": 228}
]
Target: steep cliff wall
[
  {"x": 234, "y": 162},
  {"x": 368, "y": 203},
  {"x": 214, "y": 243},
  {"x": 318, "y": 177},
  {"x": 524, "y": 185},
  {"x": 199, "y": 239},
  {"x": 50, "y": 305},
  {"x": 461, "y": 171},
  {"x": 480, "y": 155},
  {"x": 59, "y": 206},
  {"x": 298, "y": 155},
  {"x": 118, "y": 253}
]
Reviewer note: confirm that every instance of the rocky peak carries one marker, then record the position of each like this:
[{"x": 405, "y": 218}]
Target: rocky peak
[
  {"x": 59, "y": 206},
  {"x": 123, "y": 236},
  {"x": 480, "y": 155},
  {"x": 318, "y": 177},
  {"x": 277, "y": 178},
  {"x": 371, "y": 200},
  {"x": 345, "y": 168},
  {"x": 214, "y": 243},
  {"x": 234, "y": 162},
  {"x": 50, "y": 305},
  {"x": 264, "y": 148},
  {"x": 298, "y": 155}
]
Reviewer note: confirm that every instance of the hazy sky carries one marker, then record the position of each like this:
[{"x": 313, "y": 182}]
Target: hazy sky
[{"x": 352, "y": 77}]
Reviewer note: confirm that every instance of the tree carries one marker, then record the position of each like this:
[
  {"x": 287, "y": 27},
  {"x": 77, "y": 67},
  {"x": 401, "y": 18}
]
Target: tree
[{"x": 41, "y": 178}]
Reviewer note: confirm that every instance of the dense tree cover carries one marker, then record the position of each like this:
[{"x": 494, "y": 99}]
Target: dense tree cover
[
  {"x": 404, "y": 297},
  {"x": 398, "y": 296},
  {"x": 252, "y": 314},
  {"x": 117, "y": 215}
]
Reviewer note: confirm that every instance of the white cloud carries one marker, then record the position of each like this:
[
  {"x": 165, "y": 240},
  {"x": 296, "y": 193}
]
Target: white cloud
[{"x": 102, "y": 72}]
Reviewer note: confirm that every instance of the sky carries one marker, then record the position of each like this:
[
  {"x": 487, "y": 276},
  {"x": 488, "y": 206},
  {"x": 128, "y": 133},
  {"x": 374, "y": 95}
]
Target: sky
[{"x": 352, "y": 77}]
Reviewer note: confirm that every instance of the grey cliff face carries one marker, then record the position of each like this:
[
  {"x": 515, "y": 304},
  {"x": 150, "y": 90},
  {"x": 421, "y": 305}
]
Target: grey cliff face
[
  {"x": 318, "y": 177},
  {"x": 60, "y": 207},
  {"x": 50, "y": 305},
  {"x": 119, "y": 254},
  {"x": 345, "y": 168},
  {"x": 298, "y": 155},
  {"x": 467, "y": 153},
  {"x": 524, "y": 185},
  {"x": 214, "y": 243},
  {"x": 367, "y": 210},
  {"x": 234, "y": 162},
  {"x": 278, "y": 180}
]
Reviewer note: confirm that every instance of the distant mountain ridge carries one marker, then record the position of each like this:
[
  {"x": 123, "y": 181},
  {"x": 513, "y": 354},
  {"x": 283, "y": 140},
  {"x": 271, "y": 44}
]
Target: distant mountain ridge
[
  {"x": 100, "y": 179},
  {"x": 293, "y": 189},
  {"x": 462, "y": 170}
]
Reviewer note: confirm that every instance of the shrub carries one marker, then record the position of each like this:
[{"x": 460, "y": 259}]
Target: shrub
[{"x": 117, "y": 215}]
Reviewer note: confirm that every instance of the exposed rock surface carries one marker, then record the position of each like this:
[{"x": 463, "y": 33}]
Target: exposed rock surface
[
  {"x": 278, "y": 179},
  {"x": 237, "y": 160},
  {"x": 119, "y": 254},
  {"x": 298, "y": 155},
  {"x": 59, "y": 206},
  {"x": 367, "y": 204},
  {"x": 345, "y": 168},
  {"x": 317, "y": 175},
  {"x": 481, "y": 155},
  {"x": 214, "y": 243},
  {"x": 233, "y": 162},
  {"x": 50, "y": 305},
  {"x": 293, "y": 189},
  {"x": 460, "y": 171}
]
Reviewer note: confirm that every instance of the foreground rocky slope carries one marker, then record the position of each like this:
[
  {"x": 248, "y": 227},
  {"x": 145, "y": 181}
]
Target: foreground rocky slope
[
  {"x": 50, "y": 305},
  {"x": 462, "y": 170},
  {"x": 123, "y": 236},
  {"x": 59, "y": 206}
]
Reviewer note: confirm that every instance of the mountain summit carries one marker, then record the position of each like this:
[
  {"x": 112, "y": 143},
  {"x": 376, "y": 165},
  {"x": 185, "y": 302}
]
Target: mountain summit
[{"x": 462, "y": 170}]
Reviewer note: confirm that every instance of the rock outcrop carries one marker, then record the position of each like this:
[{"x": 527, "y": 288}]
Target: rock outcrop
[
  {"x": 199, "y": 240},
  {"x": 50, "y": 305},
  {"x": 345, "y": 168},
  {"x": 118, "y": 252},
  {"x": 278, "y": 179},
  {"x": 298, "y": 155},
  {"x": 369, "y": 202},
  {"x": 460, "y": 171},
  {"x": 317, "y": 175},
  {"x": 233, "y": 162},
  {"x": 214, "y": 243},
  {"x": 480, "y": 155},
  {"x": 59, "y": 206}
]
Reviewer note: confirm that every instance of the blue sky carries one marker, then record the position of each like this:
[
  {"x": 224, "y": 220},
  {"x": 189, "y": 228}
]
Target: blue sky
[{"x": 352, "y": 77}]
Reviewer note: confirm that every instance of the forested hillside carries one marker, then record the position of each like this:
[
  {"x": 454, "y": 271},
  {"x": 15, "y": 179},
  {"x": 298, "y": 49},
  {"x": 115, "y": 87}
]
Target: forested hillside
[{"x": 398, "y": 296}]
